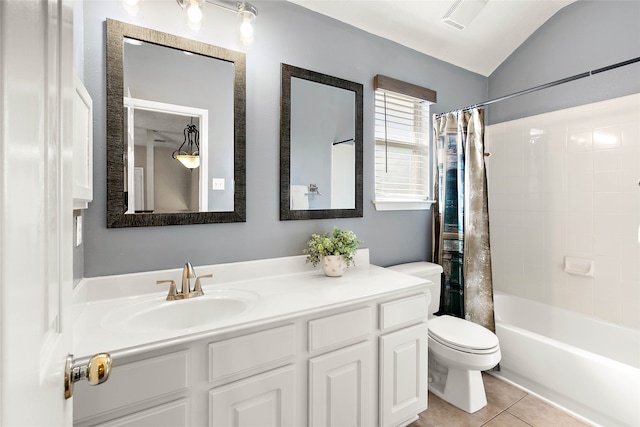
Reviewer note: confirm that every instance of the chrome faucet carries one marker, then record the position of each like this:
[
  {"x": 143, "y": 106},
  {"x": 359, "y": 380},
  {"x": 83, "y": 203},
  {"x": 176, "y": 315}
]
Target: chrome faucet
[{"x": 185, "y": 292}]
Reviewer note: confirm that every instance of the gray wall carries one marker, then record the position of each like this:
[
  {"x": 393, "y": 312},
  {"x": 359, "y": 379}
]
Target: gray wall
[
  {"x": 285, "y": 33},
  {"x": 582, "y": 37}
]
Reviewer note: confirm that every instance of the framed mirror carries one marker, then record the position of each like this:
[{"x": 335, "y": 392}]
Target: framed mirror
[
  {"x": 175, "y": 130},
  {"x": 321, "y": 130}
]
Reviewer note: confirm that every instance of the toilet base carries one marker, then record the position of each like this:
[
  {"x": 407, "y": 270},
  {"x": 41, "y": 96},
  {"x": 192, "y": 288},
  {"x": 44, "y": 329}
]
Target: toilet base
[{"x": 462, "y": 388}]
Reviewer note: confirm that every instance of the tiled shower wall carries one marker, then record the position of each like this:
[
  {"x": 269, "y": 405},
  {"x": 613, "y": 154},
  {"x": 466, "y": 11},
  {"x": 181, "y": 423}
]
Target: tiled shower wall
[{"x": 567, "y": 183}]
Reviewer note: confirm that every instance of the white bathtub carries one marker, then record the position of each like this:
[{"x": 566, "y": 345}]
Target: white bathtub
[{"x": 587, "y": 366}]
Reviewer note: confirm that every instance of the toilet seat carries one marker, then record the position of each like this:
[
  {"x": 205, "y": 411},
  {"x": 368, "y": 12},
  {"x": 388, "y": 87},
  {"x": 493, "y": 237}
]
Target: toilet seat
[{"x": 462, "y": 335}]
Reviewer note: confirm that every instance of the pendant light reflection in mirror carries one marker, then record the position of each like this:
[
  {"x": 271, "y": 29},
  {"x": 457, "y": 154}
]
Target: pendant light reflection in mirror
[{"x": 189, "y": 152}]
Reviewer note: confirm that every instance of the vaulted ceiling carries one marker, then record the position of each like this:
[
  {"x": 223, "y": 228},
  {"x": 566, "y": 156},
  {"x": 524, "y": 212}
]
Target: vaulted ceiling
[{"x": 498, "y": 28}]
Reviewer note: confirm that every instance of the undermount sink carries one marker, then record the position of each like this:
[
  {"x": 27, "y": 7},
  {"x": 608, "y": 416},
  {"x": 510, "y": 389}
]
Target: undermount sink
[{"x": 156, "y": 314}]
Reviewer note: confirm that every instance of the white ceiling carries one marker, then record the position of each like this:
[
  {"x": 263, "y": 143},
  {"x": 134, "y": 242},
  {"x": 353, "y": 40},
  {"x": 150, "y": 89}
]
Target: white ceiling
[
  {"x": 499, "y": 28},
  {"x": 168, "y": 127}
]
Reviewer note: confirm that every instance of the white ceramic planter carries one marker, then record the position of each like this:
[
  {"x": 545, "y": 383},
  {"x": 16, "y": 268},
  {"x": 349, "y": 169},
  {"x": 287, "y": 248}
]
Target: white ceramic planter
[{"x": 333, "y": 265}]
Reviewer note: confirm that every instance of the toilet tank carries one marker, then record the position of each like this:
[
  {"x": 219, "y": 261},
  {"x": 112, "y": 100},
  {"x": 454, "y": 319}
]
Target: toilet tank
[{"x": 428, "y": 271}]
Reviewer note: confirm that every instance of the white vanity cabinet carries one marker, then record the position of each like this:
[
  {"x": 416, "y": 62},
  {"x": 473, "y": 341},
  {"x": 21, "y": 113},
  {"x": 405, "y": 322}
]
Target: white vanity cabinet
[
  {"x": 341, "y": 381},
  {"x": 151, "y": 389},
  {"x": 340, "y": 387},
  {"x": 403, "y": 375},
  {"x": 263, "y": 400},
  {"x": 403, "y": 359},
  {"x": 362, "y": 362},
  {"x": 245, "y": 380},
  {"x": 266, "y": 397}
]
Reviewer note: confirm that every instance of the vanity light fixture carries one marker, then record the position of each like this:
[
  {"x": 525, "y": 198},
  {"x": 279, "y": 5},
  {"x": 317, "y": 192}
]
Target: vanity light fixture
[
  {"x": 195, "y": 12},
  {"x": 246, "y": 13},
  {"x": 189, "y": 152},
  {"x": 132, "y": 7}
]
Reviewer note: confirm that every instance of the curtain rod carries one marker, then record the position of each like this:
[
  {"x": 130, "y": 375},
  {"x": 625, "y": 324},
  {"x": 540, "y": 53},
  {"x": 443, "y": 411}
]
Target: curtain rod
[{"x": 545, "y": 86}]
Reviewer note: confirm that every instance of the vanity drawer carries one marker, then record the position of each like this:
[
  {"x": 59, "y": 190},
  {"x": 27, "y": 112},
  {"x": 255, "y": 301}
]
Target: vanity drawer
[
  {"x": 174, "y": 414},
  {"x": 133, "y": 383},
  {"x": 340, "y": 329},
  {"x": 404, "y": 311},
  {"x": 240, "y": 357}
]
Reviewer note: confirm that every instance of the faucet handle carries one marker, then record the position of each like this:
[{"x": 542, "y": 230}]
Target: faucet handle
[
  {"x": 172, "y": 289},
  {"x": 198, "y": 286}
]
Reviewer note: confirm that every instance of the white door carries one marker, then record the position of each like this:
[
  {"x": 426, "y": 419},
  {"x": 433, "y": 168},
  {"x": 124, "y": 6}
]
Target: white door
[{"x": 36, "y": 83}]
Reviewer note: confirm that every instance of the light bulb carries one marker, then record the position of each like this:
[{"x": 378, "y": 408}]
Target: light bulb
[
  {"x": 246, "y": 29},
  {"x": 132, "y": 7},
  {"x": 247, "y": 14},
  {"x": 194, "y": 13}
]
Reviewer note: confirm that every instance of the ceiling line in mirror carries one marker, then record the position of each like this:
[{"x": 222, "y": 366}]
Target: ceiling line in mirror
[
  {"x": 321, "y": 146},
  {"x": 117, "y": 199}
]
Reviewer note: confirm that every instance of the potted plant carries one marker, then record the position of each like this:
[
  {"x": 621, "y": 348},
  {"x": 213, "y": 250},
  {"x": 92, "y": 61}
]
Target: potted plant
[{"x": 335, "y": 252}]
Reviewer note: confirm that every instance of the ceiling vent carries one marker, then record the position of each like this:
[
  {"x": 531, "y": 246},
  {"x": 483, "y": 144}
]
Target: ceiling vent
[{"x": 462, "y": 12}]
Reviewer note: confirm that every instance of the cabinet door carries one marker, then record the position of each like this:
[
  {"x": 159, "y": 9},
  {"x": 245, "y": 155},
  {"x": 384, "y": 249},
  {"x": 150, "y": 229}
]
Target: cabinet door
[
  {"x": 340, "y": 388},
  {"x": 403, "y": 375},
  {"x": 266, "y": 400},
  {"x": 82, "y": 146}
]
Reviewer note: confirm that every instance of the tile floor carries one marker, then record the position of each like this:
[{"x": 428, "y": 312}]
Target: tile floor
[{"x": 507, "y": 406}]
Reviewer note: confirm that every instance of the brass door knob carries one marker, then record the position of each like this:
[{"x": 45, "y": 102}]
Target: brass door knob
[{"x": 95, "y": 372}]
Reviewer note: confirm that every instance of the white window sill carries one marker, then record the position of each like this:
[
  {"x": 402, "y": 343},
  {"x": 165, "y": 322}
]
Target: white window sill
[{"x": 402, "y": 205}]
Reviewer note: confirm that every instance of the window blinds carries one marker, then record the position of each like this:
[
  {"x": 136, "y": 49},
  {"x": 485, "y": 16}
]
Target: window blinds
[{"x": 402, "y": 146}]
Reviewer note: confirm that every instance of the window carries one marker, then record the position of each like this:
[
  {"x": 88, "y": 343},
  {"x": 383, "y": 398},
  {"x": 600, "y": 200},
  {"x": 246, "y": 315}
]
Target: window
[{"x": 402, "y": 145}]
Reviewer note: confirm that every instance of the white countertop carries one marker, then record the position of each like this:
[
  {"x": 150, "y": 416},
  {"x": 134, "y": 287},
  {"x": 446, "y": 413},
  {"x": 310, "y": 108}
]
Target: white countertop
[{"x": 301, "y": 291}]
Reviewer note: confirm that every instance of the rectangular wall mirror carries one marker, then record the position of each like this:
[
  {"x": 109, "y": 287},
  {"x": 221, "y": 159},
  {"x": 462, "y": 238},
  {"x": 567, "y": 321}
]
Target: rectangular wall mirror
[
  {"x": 175, "y": 130},
  {"x": 320, "y": 146}
]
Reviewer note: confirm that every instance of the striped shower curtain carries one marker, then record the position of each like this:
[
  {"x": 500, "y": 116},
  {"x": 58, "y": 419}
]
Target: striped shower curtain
[{"x": 461, "y": 218}]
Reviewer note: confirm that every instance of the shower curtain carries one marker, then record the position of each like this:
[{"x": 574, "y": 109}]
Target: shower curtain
[{"x": 461, "y": 218}]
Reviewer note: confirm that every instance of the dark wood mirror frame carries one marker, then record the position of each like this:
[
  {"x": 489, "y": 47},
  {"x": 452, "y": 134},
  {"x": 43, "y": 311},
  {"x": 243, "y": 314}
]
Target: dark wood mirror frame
[
  {"x": 116, "y": 217},
  {"x": 286, "y": 213}
]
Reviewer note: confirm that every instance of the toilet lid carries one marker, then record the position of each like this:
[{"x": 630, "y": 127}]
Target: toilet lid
[{"x": 462, "y": 335}]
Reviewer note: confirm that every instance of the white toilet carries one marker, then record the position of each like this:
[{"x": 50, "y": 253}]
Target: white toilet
[{"x": 458, "y": 349}]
